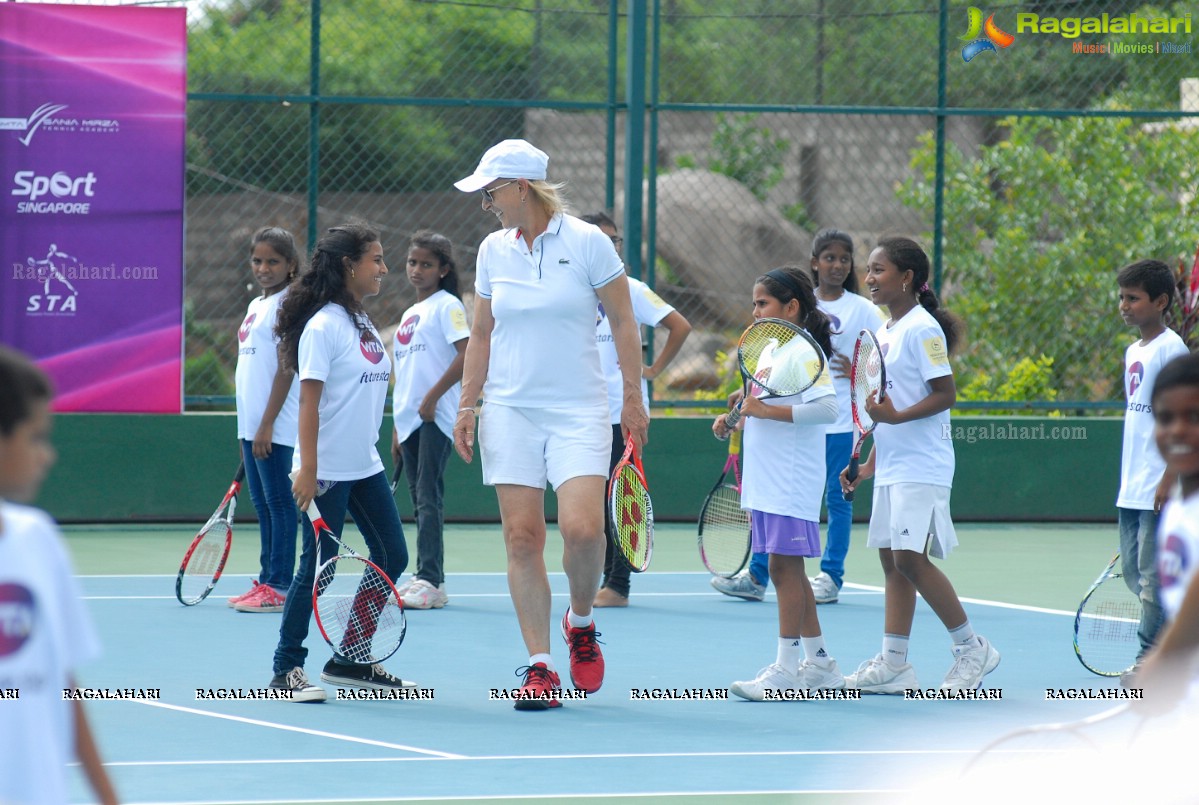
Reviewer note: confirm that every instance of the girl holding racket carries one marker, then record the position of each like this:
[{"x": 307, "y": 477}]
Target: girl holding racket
[
  {"x": 849, "y": 313},
  {"x": 329, "y": 341},
  {"x": 532, "y": 353},
  {"x": 782, "y": 487},
  {"x": 430, "y": 346},
  {"x": 267, "y": 406},
  {"x": 913, "y": 462}
]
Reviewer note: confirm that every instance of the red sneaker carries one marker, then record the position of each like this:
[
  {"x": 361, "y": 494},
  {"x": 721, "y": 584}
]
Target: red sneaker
[
  {"x": 536, "y": 692},
  {"x": 586, "y": 661}
]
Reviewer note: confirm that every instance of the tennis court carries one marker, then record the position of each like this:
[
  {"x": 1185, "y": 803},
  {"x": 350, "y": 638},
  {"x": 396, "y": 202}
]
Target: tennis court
[{"x": 1020, "y": 583}]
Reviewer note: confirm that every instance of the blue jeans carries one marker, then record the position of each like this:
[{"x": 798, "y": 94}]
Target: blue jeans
[
  {"x": 1138, "y": 559},
  {"x": 270, "y": 491},
  {"x": 369, "y": 500},
  {"x": 425, "y": 453},
  {"x": 837, "y": 447}
]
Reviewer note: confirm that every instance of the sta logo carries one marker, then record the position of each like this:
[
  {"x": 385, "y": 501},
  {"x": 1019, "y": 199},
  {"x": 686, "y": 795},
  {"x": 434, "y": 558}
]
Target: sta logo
[
  {"x": 372, "y": 350},
  {"x": 407, "y": 330}
]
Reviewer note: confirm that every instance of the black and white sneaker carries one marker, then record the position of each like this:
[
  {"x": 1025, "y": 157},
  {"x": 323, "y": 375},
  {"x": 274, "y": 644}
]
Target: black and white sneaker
[
  {"x": 368, "y": 677},
  {"x": 296, "y": 682}
]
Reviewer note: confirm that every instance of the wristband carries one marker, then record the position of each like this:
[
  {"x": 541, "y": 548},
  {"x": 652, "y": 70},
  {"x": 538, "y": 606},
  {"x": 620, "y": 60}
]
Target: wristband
[{"x": 466, "y": 408}]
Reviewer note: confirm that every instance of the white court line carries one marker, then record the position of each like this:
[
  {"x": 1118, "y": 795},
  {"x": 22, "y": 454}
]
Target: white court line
[
  {"x": 519, "y": 758},
  {"x": 303, "y": 730},
  {"x": 522, "y": 797}
]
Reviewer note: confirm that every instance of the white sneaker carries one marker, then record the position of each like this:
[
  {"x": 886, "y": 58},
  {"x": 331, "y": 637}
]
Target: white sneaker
[
  {"x": 301, "y": 689},
  {"x": 740, "y": 586},
  {"x": 875, "y": 675},
  {"x": 773, "y": 677},
  {"x": 406, "y": 586},
  {"x": 824, "y": 588},
  {"x": 423, "y": 595},
  {"x": 815, "y": 677},
  {"x": 970, "y": 665}
]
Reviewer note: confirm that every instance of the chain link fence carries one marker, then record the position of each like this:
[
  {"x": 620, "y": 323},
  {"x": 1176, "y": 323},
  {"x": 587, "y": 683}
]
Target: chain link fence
[{"x": 1034, "y": 148}]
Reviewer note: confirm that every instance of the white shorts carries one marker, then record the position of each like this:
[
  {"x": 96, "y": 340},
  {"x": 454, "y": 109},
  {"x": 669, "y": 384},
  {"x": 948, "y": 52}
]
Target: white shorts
[
  {"x": 528, "y": 446},
  {"x": 911, "y": 517}
]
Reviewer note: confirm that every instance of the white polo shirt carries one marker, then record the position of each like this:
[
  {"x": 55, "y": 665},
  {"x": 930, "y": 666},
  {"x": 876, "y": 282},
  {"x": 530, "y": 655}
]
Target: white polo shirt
[
  {"x": 423, "y": 350},
  {"x": 257, "y": 362},
  {"x": 1177, "y": 550},
  {"x": 354, "y": 368},
  {"x": 921, "y": 451},
  {"x": 848, "y": 315},
  {"x": 543, "y": 300},
  {"x": 1141, "y": 466},
  {"x": 648, "y": 309}
]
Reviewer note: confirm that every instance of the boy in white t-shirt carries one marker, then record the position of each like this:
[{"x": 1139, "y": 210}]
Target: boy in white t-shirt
[
  {"x": 1146, "y": 290},
  {"x": 1170, "y": 668},
  {"x": 46, "y": 632}
]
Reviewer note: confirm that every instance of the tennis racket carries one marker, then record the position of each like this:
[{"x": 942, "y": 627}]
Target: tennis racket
[
  {"x": 1105, "y": 626},
  {"x": 357, "y": 608},
  {"x": 867, "y": 375},
  {"x": 205, "y": 558},
  {"x": 779, "y": 359},
  {"x": 395, "y": 475},
  {"x": 632, "y": 512},
  {"x": 724, "y": 544}
]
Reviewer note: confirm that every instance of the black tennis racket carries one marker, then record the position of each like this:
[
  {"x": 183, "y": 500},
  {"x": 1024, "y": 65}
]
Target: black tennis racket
[
  {"x": 209, "y": 549},
  {"x": 776, "y": 359},
  {"x": 867, "y": 375},
  {"x": 631, "y": 510},
  {"x": 1106, "y": 624},
  {"x": 357, "y": 608},
  {"x": 724, "y": 543}
]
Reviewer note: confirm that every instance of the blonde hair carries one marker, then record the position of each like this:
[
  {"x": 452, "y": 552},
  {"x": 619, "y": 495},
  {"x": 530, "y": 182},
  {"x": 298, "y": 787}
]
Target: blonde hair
[{"x": 549, "y": 195}]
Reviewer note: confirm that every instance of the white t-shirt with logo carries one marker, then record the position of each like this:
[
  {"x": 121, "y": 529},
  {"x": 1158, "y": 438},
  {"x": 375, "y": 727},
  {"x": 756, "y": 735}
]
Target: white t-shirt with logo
[
  {"x": 46, "y": 634},
  {"x": 543, "y": 352},
  {"x": 1141, "y": 466},
  {"x": 257, "y": 362},
  {"x": 921, "y": 451},
  {"x": 784, "y": 462},
  {"x": 848, "y": 315},
  {"x": 1177, "y": 550},
  {"x": 648, "y": 309},
  {"x": 423, "y": 350},
  {"x": 354, "y": 368}
]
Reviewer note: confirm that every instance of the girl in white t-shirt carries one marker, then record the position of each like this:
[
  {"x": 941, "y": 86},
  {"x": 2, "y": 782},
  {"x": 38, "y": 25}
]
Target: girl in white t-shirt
[
  {"x": 327, "y": 338},
  {"x": 1172, "y": 666},
  {"x": 267, "y": 405},
  {"x": 849, "y": 313},
  {"x": 912, "y": 462},
  {"x": 430, "y": 345},
  {"x": 782, "y": 488}
]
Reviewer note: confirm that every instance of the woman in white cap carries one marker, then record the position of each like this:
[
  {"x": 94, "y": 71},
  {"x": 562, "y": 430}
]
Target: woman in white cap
[{"x": 532, "y": 354}]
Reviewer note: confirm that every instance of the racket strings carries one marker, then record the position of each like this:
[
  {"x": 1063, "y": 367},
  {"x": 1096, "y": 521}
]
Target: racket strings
[
  {"x": 866, "y": 379},
  {"x": 778, "y": 360},
  {"x": 724, "y": 531},
  {"x": 365, "y": 622},
  {"x": 632, "y": 517},
  {"x": 1106, "y": 632}
]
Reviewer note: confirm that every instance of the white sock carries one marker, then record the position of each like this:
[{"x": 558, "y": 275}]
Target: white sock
[
  {"x": 814, "y": 650},
  {"x": 964, "y": 635},
  {"x": 895, "y": 649},
  {"x": 578, "y": 621},
  {"x": 542, "y": 658},
  {"x": 790, "y": 650}
]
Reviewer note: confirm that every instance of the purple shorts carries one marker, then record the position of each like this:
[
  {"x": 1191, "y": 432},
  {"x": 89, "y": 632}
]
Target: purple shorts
[{"x": 789, "y": 536}]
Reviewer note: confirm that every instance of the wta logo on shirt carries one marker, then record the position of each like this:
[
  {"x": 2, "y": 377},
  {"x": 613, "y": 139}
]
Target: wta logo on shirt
[
  {"x": 17, "y": 616},
  {"x": 833, "y": 320},
  {"x": 372, "y": 350},
  {"x": 244, "y": 331},
  {"x": 1136, "y": 375},
  {"x": 408, "y": 329},
  {"x": 1172, "y": 561}
]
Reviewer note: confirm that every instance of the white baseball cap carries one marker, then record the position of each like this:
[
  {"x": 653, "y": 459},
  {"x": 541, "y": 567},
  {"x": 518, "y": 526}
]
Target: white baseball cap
[{"x": 511, "y": 159}]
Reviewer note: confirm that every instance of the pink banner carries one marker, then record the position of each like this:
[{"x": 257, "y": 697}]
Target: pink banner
[{"x": 92, "y": 129}]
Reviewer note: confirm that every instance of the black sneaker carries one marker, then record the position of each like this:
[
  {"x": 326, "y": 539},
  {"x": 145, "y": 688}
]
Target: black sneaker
[
  {"x": 296, "y": 681},
  {"x": 368, "y": 677}
]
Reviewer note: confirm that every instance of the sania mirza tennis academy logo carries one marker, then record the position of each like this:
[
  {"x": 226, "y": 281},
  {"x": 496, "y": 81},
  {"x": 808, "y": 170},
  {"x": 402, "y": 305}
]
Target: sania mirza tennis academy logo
[{"x": 983, "y": 36}]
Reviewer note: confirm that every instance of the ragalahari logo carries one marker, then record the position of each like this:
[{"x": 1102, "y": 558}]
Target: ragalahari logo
[{"x": 983, "y": 36}]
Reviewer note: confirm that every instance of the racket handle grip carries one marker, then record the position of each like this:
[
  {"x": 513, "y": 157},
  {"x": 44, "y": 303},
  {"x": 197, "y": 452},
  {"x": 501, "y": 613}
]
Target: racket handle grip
[
  {"x": 851, "y": 475},
  {"x": 733, "y": 417},
  {"x": 313, "y": 512}
]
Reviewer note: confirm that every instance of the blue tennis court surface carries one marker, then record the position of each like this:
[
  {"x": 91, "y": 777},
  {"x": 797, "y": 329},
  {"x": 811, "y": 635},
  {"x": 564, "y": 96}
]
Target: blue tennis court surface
[{"x": 678, "y": 636}]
